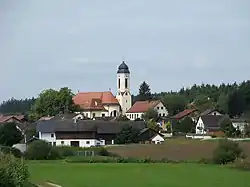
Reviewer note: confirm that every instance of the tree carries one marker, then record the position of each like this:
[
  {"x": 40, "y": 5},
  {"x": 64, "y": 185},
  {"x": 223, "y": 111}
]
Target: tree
[
  {"x": 151, "y": 114},
  {"x": 13, "y": 171},
  {"x": 222, "y": 103},
  {"x": 128, "y": 134},
  {"x": 174, "y": 103},
  {"x": 187, "y": 125},
  {"x": 226, "y": 152},
  {"x": 52, "y": 102},
  {"x": 227, "y": 127},
  {"x": 122, "y": 118},
  {"x": 236, "y": 104},
  {"x": 247, "y": 130},
  {"x": 203, "y": 102},
  {"x": 144, "y": 92},
  {"x": 152, "y": 124},
  {"x": 9, "y": 134}
]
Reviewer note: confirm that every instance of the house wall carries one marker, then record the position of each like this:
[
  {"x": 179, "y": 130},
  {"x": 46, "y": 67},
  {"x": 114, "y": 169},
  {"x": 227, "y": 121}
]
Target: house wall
[
  {"x": 82, "y": 142},
  {"x": 98, "y": 113},
  {"x": 133, "y": 116},
  {"x": 200, "y": 124},
  {"x": 161, "y": 109},
  {"x": 157, "y": 139},
  {"x": 49, "y": 137},
  {"x": 111, "y": 109},
  {"x": 241, "y": 125}
]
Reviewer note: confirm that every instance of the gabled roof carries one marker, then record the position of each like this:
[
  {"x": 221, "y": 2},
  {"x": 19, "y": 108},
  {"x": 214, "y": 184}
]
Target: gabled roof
[
  {"x": 98, "y": 126},
  {"x": 94, "y": 100},
  {"x": 3, "y": 118},
  {"x": 183, "y": 113},
  {"x": 212, "y": 121},
  {"x": 143, "y": 106},
  {"x": 208, "y": 111}
]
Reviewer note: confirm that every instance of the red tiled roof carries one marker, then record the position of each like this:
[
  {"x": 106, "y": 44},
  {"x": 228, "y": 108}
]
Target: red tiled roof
[
  {"x": 143, "y": 106},
  {"x": 184, "y": 113},
  {"x": 6, "y": 118},
  {"x": 94, "y": 100}
]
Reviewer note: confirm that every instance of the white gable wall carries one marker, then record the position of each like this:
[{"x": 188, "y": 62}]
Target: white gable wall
[
  {"x": 161, "y": 109},
  {"x": 157, "y": 139},
  {"x": 199, "y": 129}
]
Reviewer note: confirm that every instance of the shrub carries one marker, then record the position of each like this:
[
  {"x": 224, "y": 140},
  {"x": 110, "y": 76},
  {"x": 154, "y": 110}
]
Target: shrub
[
  {"x": 66, "y": 151},
  {"x": 13, "y": 172},
  {"x": 41, "y": 150},
  {"x": 11, "y": 150},
  {"x": 227, "y": 152}
]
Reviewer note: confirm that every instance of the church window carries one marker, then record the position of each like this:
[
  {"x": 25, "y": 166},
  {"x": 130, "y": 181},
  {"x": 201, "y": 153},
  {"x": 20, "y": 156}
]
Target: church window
[
  {"x": 119, "y": 83},
  {"x": 126, "y": 83}
]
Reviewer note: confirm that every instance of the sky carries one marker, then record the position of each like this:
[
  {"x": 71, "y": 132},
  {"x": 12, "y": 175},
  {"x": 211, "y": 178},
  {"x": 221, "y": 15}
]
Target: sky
[{"x": 80, "y": 43}]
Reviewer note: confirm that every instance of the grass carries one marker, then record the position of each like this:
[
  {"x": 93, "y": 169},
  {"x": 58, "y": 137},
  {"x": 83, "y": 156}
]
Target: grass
[{"x": 137, "y": 175}]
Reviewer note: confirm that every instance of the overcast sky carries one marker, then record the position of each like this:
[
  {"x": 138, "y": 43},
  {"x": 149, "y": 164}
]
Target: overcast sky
[{"x": 80, "y": 43}]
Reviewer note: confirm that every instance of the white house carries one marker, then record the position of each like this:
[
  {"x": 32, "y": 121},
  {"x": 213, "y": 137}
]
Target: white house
[
  {"x": 105, "y": 104},
  {"x": 208, "y": 123},
  {"x": 158, "y": 139},
  {"x": 141, "y": 107},
  {"x": 239, "y": 123},
  {"x": 81, "y": 133}
]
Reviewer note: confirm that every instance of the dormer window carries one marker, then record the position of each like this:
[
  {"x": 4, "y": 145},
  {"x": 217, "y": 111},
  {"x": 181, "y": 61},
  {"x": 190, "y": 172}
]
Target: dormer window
[{"x": 95, "y": 103}]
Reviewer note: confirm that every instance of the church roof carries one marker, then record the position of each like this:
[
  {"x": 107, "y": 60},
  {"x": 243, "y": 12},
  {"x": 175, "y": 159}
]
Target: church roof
[
  {"x": 143, "y": 106},
  {"x": 123, "y": 68},
  {"x": 94, "y": 100}
]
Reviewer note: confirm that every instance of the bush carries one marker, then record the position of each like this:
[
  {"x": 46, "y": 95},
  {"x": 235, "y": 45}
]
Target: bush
[
  {"x": 227, "y": 152},
  {"x": 13, "y": 172},
  {"x": 11, "y": 150},
  {"x": 41, "y": 150},
  {"x": 66, "y": 151}
]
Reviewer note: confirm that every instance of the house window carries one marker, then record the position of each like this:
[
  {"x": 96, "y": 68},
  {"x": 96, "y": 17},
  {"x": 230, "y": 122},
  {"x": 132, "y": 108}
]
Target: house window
[
  {"x": 119, "y": 83},
  {"x": 126, "y": 82},
  {"x": 52, "y": 135},
  {"x": 126, "y": 101},
  {"x": 93, "y": 115},
  {"x": 162, "y": 107},
  {"x": 62, "y": 142},
  {"x": 54, "y": 143},
  {"x": 126, "y": 93},
  {"x": 87, "y": 142},
  {"x": 159, "y": 114},
  {"x": 158, "y": 108},
  {"x": 215, "y": 113},
  {"x": 103, "y": 115},
  {"x": 163, "y": 114},
  {"x": 86, "y": 114}
]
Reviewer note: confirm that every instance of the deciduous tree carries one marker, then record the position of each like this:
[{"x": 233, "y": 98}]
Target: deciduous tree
[
  {"x": 174, "y": 103},
  {"x": 10, "y": 134}
]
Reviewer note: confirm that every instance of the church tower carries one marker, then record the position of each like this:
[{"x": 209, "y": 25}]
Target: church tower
[{"x": 123, "y": 88}]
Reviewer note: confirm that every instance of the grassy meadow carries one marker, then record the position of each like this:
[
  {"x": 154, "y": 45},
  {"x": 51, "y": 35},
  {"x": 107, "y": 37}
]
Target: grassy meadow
[{"x": 136, "y": 175}]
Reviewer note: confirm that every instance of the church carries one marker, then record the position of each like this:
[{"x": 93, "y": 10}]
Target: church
[{"x": 105, "y": 104}]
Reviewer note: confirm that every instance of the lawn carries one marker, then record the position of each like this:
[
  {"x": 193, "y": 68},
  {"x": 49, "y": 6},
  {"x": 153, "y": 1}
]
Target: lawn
[{"x": 137, "y": 175}]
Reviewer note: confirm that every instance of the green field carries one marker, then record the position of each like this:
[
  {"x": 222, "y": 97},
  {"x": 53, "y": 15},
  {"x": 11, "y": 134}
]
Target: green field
[{"x": 137, "y": 175}]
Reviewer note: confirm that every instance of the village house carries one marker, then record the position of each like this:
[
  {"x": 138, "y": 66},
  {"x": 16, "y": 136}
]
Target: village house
[
  {"x": 211, "y": 112},
  {"x": 12, "y": 118},
  {"x": 239, "y": 123},
  {"x": 185, "y": 113},
  {"x": 209, "y": 124},
  {"x": 105, "y": 104},
  {"x": 86, "y": 133},
  {"x": 141, "y": 107}
]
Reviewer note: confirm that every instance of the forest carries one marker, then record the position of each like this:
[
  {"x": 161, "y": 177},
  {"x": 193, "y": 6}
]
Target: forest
[{"x": 232, "y": 99}]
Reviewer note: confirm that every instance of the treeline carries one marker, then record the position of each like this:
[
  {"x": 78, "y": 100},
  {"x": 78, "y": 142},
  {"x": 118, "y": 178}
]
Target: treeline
[
  {"x": 15, "y": 106},
  {"x": 233, "y": 99}
]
